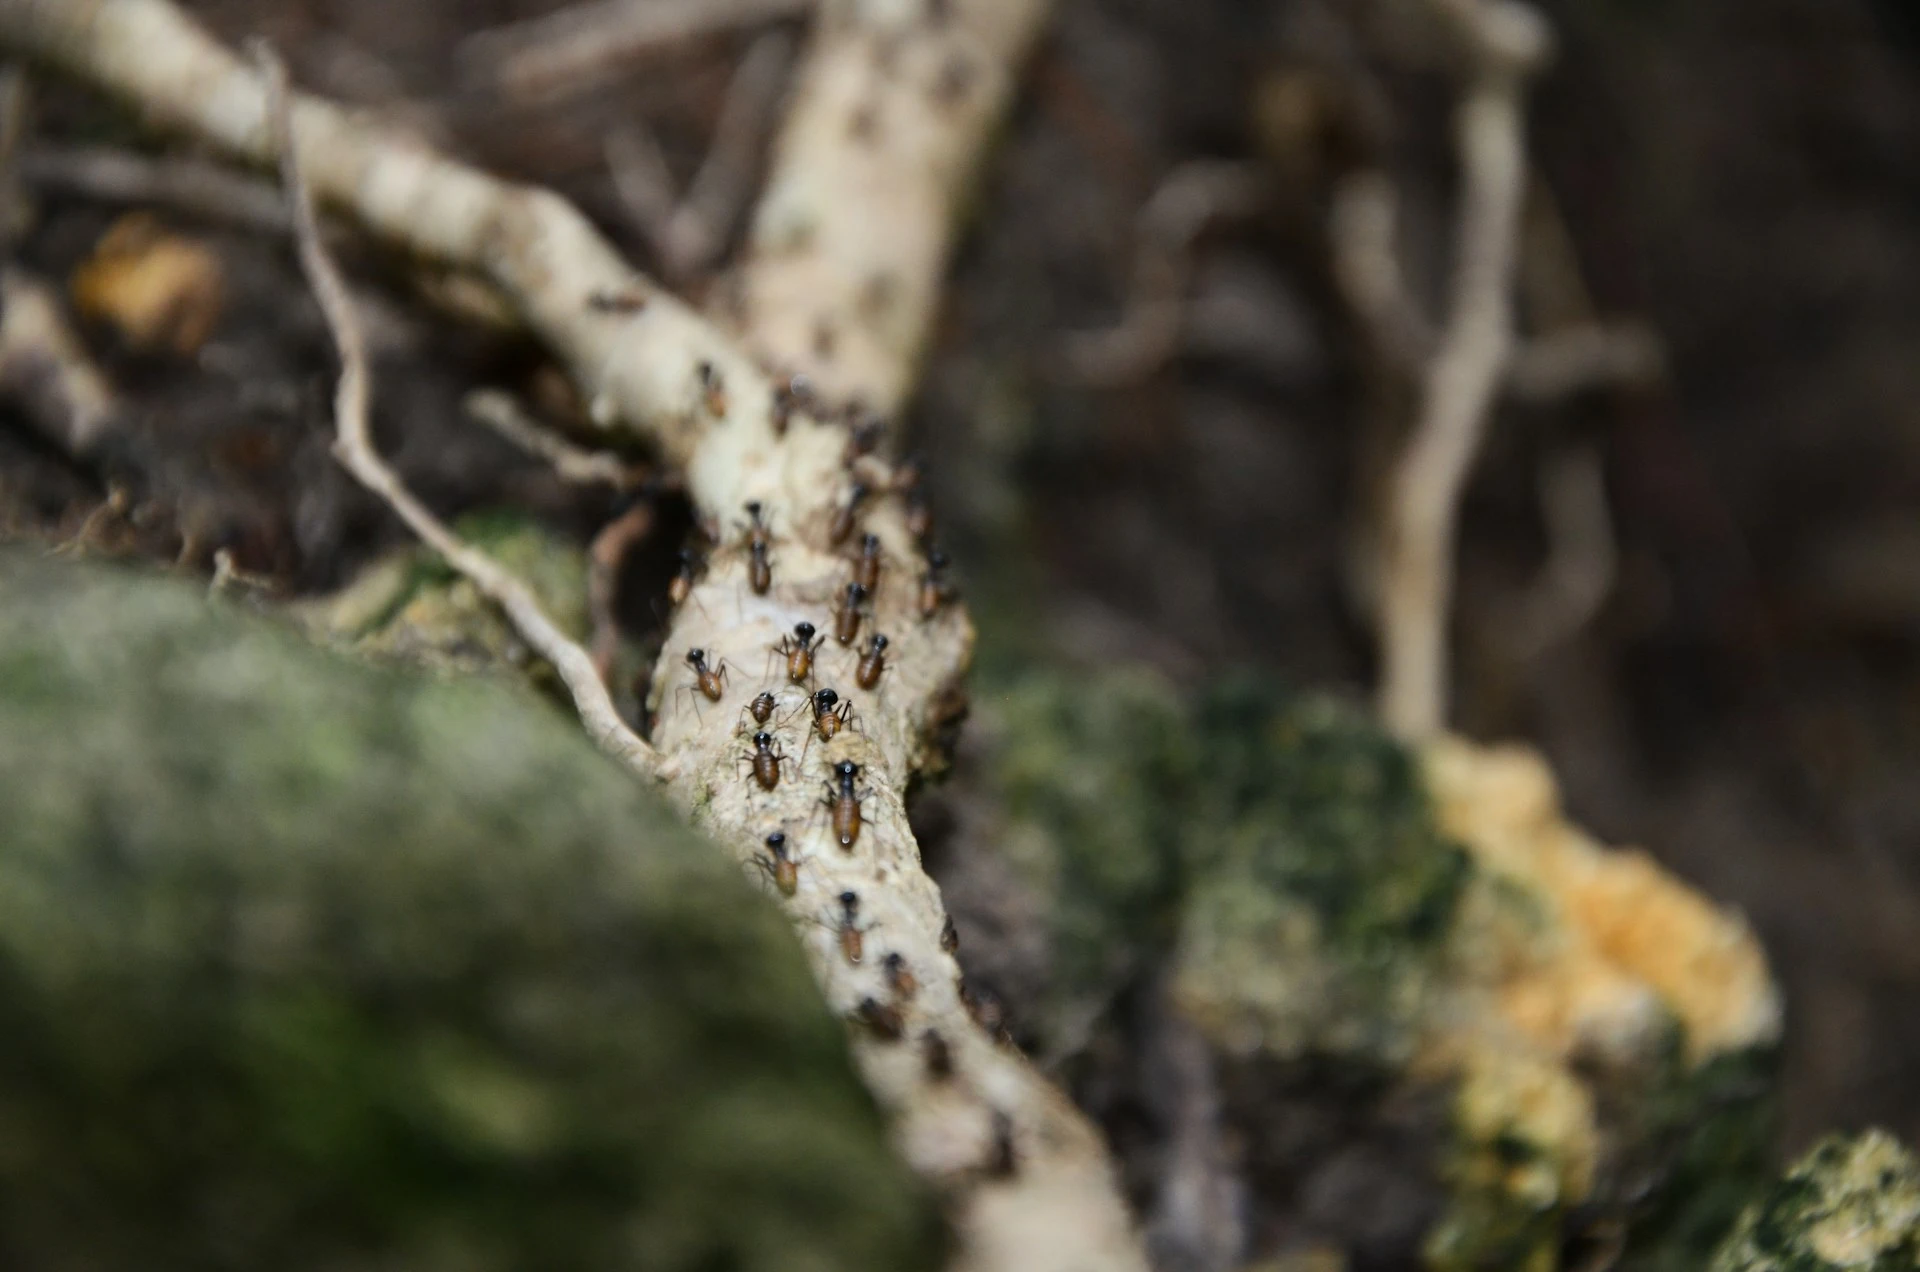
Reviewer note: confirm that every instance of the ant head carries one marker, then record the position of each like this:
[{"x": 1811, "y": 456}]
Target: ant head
[
  {"x": 696, "y": 658},
  {"x": 855, "y": 593},
  {"x": 870, "y": 544},
  {"x": 763, "y": 739},
  {"x": 804, "y": 630},
  {"x": 778, "y": 842},
  {"x": 824, "y": 699},
  {"x": 895, "y": 960},
  {"x": 937, "y": 559},
  {"x": 858, "y": 491},
  {"x": 850, "y": 900},
  {"x": 753, "y": 509},
  {"x": 877, "y": 644},
  {"x": 847, "y": 769},
  {"x": 705, "y": 370},
  {"x": 686, "y": 557}
]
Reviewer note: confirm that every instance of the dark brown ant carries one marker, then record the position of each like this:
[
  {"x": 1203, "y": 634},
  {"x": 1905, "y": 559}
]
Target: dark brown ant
[
  {"x": 624, "y": 302},
  {"x": 919, "y": 515},
  {"x": 761, "y": 708},
  {"x": 935, "y": 591},
  {"x": 780, "y": 865},
  {"x": 847, "y": 616},
  {"x": 848, "y": 513},
  {"x": 682, "y": 585},
  {"x": 900, "y": 978},
  {"x": 1002, "y": 1160},
  {"x": 865, "y": 432},
  {"x": 765, "y": 761},
  {"x": 798, "y": 649},
  {"x": 986, "y": 1011},
  {"x": 759, "y": 542},
  {"x": 873, "y": 663},
  {"x": 795, "y": 395},
  {"x": 844, "y": 802},
  {"x": 939, "y": 1055},
  {"x": 852, "y": 940},
  {"x": 866, "y": 566},
  {"x": 709, "y": 680},
  {"x": 714, "y": 388},
  {"x": 884, "y": 1021},
  {"x": 949, "y": 936}
]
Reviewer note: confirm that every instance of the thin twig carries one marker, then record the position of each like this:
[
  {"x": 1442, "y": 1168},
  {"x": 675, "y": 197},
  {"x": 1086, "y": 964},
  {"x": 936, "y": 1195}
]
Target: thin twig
[
  {"x": 575, "y": 464},
  {"x": 354, "y": 448},
  {"x": 571, "y": 49},
  {"x": 1506, "y": 41},
  {"x": 605, "y": 555},
  {"x": 1191, "y": 199},
  {"x": 196, "y": 186}
]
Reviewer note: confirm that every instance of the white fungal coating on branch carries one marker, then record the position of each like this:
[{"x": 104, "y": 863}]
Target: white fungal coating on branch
[
  {"x": 1027, "y": 1177},
  {"x": 874, "y": 164}
]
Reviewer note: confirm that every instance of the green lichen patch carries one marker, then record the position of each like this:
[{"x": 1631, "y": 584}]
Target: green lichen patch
[
  {"x": 1850, "y": 1205},
  {"x": 309, "y": 966},
  {"x": 411, "y": 609}
]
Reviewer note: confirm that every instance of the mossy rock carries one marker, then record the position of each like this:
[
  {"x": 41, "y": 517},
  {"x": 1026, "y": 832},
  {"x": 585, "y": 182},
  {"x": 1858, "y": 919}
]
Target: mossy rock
[
  {"x": 1850, "y": 1205},
  {"x": 1376, "y": 985},
  {"x": 306, "y": 966}
]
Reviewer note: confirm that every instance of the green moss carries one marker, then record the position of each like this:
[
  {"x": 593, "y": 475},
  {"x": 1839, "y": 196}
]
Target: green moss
[
  {"x": 308, "y": 966},
  {"x": 1325, "y": 888},
  {"x": 1850, "y": 1205},
  {"x": 1094, "y": 774}
]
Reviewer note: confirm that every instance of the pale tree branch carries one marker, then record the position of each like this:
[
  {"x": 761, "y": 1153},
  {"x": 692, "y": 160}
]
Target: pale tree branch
[
  {"x": 1506, "y": 42},
  {"x": 893, "y": 111},
  {"x": 355, "y": 450}
]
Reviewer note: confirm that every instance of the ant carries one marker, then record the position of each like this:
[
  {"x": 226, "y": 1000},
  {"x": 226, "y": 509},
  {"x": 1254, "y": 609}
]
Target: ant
[
  {"x": 919, "y": 515},
  {"x": 795, "y": 395},
  {"x": 682, "y": 585},
  {"x": 848, "y": 513},
  {"x": 866, "y": 566},
  {"x": 798, "y": 649},
  {"x": 759, "y": 541},
  {"x": 884, "y": 1021},
  {"x": 939, "y": 1055},
  {"x": 761, "y": 708},
  {"x": 1003, "y": 1161},
  {"x": 935, "y": 591},
  {"x": 830, "y": 715},
  {"x": 780, "y": 864},
  {"x": 844, "y": 803},
  {"x": 865, "y": 430},
  {"x": 949, "y": 936},
  {"x": 852, "y": 939},
  {"x": 765, "y": 760},
  {"x": 620, "y": 302},
  {"x": 846, "y": 619},
  {"x": 711, "y": 681},
  {"x": 873, "y": 663},
  {"x": 713, "y": 388},
  {"x": 908, "y": 473},
  {"x": 900, "y": 978}
]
